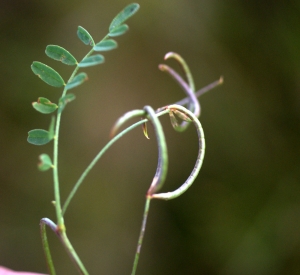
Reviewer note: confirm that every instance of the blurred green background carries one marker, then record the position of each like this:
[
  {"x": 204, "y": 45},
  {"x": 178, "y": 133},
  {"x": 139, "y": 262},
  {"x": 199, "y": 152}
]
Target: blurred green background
[{"x": 241, "y": 216}]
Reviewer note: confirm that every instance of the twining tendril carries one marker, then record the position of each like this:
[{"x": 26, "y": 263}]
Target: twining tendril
[
  {"x": 188, "y": 87},
  {"x": 193, "y": 101},
  {"x": 187, "y": 115},
  {"x": 162, "y": 164},
  {"x": 184, "y": 66}
]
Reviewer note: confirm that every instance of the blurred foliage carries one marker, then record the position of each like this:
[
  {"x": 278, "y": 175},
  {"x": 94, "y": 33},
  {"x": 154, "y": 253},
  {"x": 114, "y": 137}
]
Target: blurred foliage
[{"x": 241, "y": 216}]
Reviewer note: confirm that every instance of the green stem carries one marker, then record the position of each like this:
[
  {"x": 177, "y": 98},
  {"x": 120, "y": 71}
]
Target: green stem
[
  {"x": 141, "y": 237},
  {"x": 72, "y": 253}
]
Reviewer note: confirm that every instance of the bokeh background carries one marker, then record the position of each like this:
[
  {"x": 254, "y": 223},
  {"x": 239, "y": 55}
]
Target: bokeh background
[{"x": 240, "y": 217}]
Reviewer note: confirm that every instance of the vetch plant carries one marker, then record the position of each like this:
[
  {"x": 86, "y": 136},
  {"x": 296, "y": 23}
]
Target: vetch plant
[{"x": 187, "y": 110}]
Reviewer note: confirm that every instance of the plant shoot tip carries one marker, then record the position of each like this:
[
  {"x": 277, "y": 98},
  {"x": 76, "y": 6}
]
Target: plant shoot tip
[{"x": 168, "y": 55}]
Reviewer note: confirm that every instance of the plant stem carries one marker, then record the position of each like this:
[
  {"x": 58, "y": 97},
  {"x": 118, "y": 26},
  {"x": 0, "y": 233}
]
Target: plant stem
[
  {"x": 141, "y": 237},
  {"x": 72, "y": 253}
]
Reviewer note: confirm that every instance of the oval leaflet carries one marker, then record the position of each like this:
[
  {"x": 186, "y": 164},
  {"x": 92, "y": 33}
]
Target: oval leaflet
[
  {"x": 91, "y": 60},
  {"x": 119, "y": 30},
  {"x": 77, "y": 80},
  {"x": 45, "y": 162},
  {"x": 127, "y": 12},
  {"x": 60, "y": 54},
  {"x": 106, "y": 45},
  {"x": 47, "y": 74},
  {"x": 85, "y": 37},
  {"x": 44, "y": 106}
]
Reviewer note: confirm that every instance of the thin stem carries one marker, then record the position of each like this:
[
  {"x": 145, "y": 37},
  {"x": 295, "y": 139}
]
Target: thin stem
[
  {"x": 141, "y": 237},
  {"x": 72, "y": 253}
]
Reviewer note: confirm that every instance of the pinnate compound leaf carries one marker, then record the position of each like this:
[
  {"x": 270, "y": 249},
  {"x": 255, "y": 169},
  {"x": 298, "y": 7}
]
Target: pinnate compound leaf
[
  {"x": 85, "y": 37},
  {"x": 77, "y": 80},
  {"x": 118, "y": 30},
  {"x": 106, "y": 45},
  {"x": 47, "y": 74},
  {"x": 60, "y": 54},
  {"x": 127, "y": 12},
  {"x": 91, "y": 60},
  {"x": 45, "y": 162},
  {"x": 44, "y": 106},
  {"x": 38, "y": 137},
  {"x": 64, "y": 101}
]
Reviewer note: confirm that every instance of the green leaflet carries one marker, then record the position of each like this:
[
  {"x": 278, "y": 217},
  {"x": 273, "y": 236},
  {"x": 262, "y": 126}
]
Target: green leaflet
[
  {"x": 117, "y": 31},
  {"x": 77, "y": 80},
  {"x": 44, "y": 106},
  {"x": 106, "y": 45},
  {"x": 38, "y": 137},
  {"x": 85, "y": 37},
  {"x": 47, "y": 74},
  {"x": 60, "y": 54},
  {"x": 91, "y": 60},
  {"x": 123, "y": 16},
  {"x": 45, "y": 162}
]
